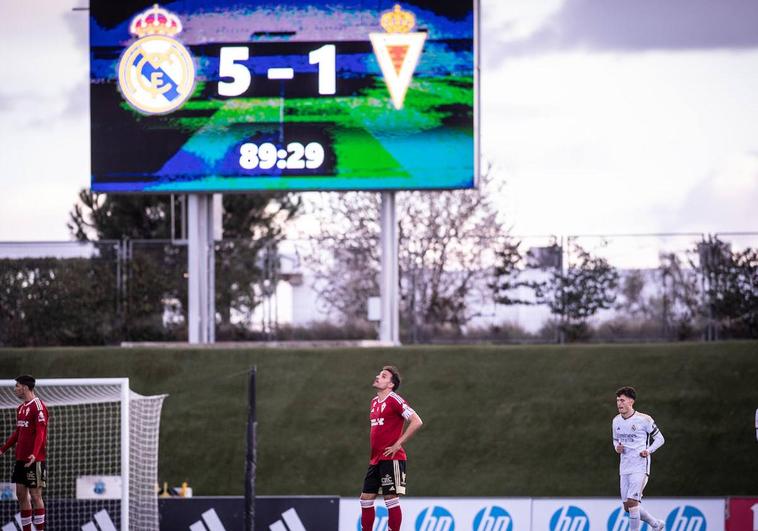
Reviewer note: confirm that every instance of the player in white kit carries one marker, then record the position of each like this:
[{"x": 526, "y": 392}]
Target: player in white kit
[{"x": 635, "y": 437}]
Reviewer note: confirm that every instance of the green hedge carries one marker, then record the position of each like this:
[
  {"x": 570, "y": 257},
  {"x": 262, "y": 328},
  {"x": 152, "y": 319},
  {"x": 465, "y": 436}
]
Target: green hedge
[{"x": 511, "y": 420}]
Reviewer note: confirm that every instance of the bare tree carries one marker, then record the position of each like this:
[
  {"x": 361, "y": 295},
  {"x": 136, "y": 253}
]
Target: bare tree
[
  {"x": 344, "y": 253},
  {"x": 445, "y": 240}
]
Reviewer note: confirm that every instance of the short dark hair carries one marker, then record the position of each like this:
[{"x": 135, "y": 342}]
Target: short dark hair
[
  {"x": 628, "y": 392},
  {"x": 27, "y": 380},
  {"x": 395, "y": 376}
]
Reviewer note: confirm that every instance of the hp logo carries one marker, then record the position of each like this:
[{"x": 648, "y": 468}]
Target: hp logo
[
  {"x": 493, "y": 519},
  {"x": 687, "y": 518},
  {"x": 619, "y": 521},
  {"x": 380, "y": 522},
  {"x": 435, "y": 518},
  {"x": 570, "y": 518}
]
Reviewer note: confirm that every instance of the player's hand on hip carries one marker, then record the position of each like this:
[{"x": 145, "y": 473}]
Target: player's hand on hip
[
  {"x": 31, "y": 461},
  {"x": 392, "y": 450},
  {"x": 619, "y": 448},
  {"x": 644, "y": 453}
]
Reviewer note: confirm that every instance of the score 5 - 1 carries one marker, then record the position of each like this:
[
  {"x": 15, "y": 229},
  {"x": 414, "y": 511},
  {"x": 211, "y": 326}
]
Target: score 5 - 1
[{"x": 230, "y": 66}]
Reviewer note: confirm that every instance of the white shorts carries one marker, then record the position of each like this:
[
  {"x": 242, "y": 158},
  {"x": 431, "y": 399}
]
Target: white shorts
[{"x": 632, "y": 486}]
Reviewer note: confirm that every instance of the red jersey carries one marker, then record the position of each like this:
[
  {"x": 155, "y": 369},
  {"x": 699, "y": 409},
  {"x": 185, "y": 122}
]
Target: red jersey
[
  {"x": 30, "y": 436},
  {"x": 387, "y": 418}
]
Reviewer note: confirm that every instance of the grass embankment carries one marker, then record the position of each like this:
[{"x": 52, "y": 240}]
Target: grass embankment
[{"x": 511, "y": 420}]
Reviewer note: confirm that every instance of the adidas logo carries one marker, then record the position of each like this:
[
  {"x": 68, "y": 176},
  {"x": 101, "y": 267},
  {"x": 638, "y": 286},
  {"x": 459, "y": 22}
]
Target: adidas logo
[
  {"x": 104, "y": 522},
  {"x": 10, "y": 526},
  {"x": 290, "y": 518},
  {"x": 212, "y": 522}
]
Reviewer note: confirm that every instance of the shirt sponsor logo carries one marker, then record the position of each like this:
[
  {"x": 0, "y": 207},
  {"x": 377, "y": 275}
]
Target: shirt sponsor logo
[
  {"x": 377, "y": 422},
  {"x": 22, "y": 423}
]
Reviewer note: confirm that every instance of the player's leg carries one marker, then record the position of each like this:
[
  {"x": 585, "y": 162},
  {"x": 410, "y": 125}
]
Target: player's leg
[
  {"x": 394, "y": 513},
  {"x": 635, "y": 485},
  {"x": 655, "y": 524},
  {"x": 22, "y": 493},
  {"x": 371, "y": 488},
  {"x": 36, "y": 484},
  {"x": 368, "y": 512},
  {"x": 38, "y": 508},
  {"x": 634, "y": 515},
  {"x": 393, "y": 485},
  {"x": 624, "y": 488}
]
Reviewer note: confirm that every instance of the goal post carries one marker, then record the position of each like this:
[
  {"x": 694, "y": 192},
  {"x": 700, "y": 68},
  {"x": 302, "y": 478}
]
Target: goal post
[{"x": 102, "y": 455}]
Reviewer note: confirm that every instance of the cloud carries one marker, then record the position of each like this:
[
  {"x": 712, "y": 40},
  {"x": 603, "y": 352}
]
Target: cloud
[
  {"x": 49, "y": 61},
  {"x": 644, "y": 25},
  {"x": 722, "y": 202}
]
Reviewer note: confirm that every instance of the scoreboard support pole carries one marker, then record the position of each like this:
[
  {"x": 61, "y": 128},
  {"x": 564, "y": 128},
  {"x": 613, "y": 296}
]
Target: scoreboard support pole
[
  {"x": 389, "y": 326},
  {"x": 201, "y": 323}
]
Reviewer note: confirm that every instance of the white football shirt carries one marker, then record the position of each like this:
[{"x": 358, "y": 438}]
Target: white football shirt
[{"x": 636, "y": 433}]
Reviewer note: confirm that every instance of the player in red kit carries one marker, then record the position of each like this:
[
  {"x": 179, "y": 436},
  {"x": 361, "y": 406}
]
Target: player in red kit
[
  {"x": 29, "y": 474},
  {"x": 386, "y": 470}
]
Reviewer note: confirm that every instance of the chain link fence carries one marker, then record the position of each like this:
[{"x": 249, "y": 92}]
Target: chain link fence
[{"x": 635, "y": 287}]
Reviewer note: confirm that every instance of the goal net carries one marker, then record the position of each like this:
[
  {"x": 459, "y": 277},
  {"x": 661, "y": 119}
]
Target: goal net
[{"x": 102, "y": 456}]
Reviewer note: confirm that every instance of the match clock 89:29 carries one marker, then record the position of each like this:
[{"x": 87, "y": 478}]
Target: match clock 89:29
[{"x": 295, "y": 156}]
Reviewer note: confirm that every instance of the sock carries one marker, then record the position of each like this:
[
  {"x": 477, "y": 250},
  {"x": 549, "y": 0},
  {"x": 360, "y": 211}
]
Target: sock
[
  {"x": 395, "y": 514},
  {"x": 367, "y": 515},
  {"x": 39, "y": 519},
  {"x": 634, "y": 518},
  {"x": 647, "y": 517},
  {"x": 26, "y": 519}
]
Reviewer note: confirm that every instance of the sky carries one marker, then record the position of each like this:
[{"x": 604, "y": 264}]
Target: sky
[{"x": 600, "y": 116}]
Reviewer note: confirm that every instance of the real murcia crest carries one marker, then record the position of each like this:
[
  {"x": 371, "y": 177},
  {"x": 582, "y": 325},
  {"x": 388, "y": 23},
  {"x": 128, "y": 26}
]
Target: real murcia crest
[
  {"x": 398, "y": 51},
  {"x": 156, "y": 73}
]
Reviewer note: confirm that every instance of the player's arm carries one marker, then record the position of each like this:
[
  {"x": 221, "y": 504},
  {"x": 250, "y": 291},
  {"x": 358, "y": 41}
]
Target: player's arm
[
  {"x": 657, "y": 441},
  {"x": 10, "y": 442},
  {"x": 40, "y": 434},
  {"x": 414, "y": 423},
  {"x": 616, "y": 443},
  {"x": 39, "y": 440}
]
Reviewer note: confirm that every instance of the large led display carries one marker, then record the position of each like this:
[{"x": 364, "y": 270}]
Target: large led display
[{"x": 242, "y": 95}]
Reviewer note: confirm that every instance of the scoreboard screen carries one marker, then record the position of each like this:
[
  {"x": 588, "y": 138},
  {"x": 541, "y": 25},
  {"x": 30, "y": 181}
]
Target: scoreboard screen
[{"x": 245, "y": 95}]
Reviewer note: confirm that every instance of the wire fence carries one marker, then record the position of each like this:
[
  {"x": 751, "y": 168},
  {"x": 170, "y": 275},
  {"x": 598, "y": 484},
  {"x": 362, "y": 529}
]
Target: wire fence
[{"x": 627, "y": 287}]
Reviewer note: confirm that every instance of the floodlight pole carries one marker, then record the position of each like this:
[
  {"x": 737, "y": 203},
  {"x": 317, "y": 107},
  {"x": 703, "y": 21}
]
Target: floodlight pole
[
  {"x": 389, "y": 326},
  {"x": 201, "y": 284}
]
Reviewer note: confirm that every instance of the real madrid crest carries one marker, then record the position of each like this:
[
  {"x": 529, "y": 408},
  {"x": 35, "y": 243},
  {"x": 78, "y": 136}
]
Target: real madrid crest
[{"x": 156, "y": 73}]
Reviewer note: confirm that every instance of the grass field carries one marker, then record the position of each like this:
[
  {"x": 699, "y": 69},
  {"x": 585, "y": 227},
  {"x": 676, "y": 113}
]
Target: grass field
[{"x": 499, "y": 420}]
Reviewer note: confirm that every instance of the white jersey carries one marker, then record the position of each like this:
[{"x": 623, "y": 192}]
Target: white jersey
[{"x": 636, "y": 433}]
